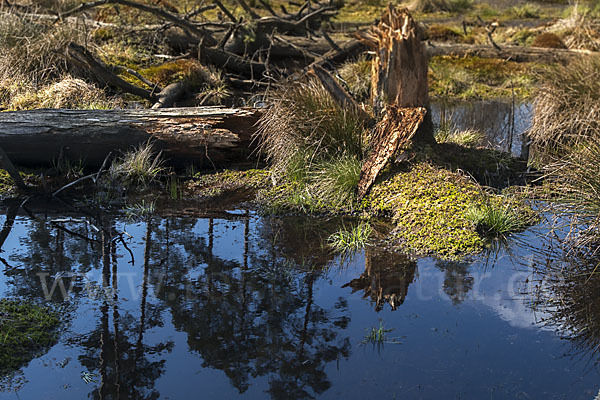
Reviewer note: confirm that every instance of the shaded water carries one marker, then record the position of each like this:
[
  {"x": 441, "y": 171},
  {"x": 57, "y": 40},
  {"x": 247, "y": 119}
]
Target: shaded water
[
  {"x": 502, "y": 122},
  {"x": 231, "y": 304}
]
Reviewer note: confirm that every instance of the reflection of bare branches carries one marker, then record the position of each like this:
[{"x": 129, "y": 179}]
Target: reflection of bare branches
[
  {"x": 567, "y": 291},
  {"x": 386, "y": 278}
]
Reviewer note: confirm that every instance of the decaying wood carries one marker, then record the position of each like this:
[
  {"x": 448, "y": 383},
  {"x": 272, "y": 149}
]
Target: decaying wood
[
  {"x": 199, "y": 135},
  {"x": 399, "y": 74},
  {"x": 394, "y": 131},
  {"x": 338, "y": 92},
  {"x": 509, "y": 53},
  {"x": 79, "y": 56},
  {"x": 170, "y": 94},
  {"x": 399, "y": 91}
]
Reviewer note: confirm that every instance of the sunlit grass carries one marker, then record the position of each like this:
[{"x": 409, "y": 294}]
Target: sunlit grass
[
  {"x": 138, "y": 167},
  {"x": 345, "y": 241},
  {"x": 495, "y": 219}
]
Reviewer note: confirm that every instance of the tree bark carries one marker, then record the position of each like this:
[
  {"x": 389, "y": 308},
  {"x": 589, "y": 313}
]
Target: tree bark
[
  {"x": 204, "y": 135},
  {"x": 399, "y": 91},
  {"x": 399, "y": 72}
]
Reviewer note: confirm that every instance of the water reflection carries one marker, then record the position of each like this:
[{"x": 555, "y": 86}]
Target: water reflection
[
  {"x": 247, "y": 306},
  {"x": 457, "y": 281},
  {"x": 502, "y": 122},
  {"x": 386, "y": 278},
  {"x": 568, "y": 292}
]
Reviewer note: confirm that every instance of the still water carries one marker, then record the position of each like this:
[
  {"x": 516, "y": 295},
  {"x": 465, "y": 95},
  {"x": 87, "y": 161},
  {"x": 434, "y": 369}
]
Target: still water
[{"x": 229, "y": 304}]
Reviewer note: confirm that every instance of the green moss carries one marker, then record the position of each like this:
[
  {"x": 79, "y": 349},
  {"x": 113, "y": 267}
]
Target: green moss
[
  {"x": 25, "y": 331},
  {"x": 474, "y": 77},
  {"x": 7, "y": 185},
  {"x": 175, "y": 71},
  {"x": 428, "y": 205}
]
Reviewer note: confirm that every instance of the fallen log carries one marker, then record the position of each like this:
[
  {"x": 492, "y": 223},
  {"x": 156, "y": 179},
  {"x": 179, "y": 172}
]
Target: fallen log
[
  {"x": 509, "y": 53},
  {"x": 203, "y": 135}
]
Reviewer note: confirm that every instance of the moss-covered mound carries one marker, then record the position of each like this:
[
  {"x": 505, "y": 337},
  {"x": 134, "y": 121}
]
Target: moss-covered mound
[
  {"x": 433, "y": 207},
  {"x": 26, "y": 330}
]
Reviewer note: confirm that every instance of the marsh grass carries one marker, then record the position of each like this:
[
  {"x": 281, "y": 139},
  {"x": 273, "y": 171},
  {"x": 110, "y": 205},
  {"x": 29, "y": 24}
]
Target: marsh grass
[
  {"x": 495, "y": 219},
  {"x": 348, "y": 241},
  {"x": 566, "y": 109},
  {"x": 315, "y": 149},
  {"x": 69, "y": 92},
  {"x": 466, "y": 138},
  {"x": 356, "y": 75},
  {"x": 336, "y": 180},
  {"x": 138, "y": 167},
  {"x": 432, "y": 6},
  {"x": 305, "y": 121},
  {"x": 31, "y": 47},
  {"x": 377, "y": 336},
  {"x": 525, "y": 11},
  {"x": 580, "y": 28}
]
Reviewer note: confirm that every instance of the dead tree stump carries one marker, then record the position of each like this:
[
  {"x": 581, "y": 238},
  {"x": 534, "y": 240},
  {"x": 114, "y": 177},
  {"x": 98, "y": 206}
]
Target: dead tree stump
[{"x": 399, "y": 91}]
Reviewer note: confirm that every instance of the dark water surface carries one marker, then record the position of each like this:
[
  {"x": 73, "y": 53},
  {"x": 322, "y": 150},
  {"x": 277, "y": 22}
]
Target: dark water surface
[
  {"x": 235, "y": 305},
  {"x": 502, "y": 122}
]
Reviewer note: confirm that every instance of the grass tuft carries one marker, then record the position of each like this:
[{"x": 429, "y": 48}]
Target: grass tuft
[
  {"x": 356, "y": 75},
  {"x": 466, "y": 138},
  {"x": 139, "y": 210},
  {"x": 138, "y": 167},
  {"x": 348, "y": 241},
  {"x": 525, "y": 11},
  {"x": 495, "y": 219}
]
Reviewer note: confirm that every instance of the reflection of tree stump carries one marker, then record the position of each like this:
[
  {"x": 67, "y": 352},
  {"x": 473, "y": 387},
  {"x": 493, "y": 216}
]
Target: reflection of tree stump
[
  {"x": 399, "y": 90},
  {"x": 385, "y": 280}
]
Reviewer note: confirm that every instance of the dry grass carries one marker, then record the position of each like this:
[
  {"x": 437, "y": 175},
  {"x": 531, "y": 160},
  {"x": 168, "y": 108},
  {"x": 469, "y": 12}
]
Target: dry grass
[
  {"x": 432, "y": 6},
  {"x": 580, "y": 29},
  {"x": 356, "y": 75},
  {"x": 305, "y": 126},
  {"x": 67, "y": 93},
  {"x": 138, "y": 167},
  {"x": 31, "y": 48},
  {"x": 567, "y": 108}
]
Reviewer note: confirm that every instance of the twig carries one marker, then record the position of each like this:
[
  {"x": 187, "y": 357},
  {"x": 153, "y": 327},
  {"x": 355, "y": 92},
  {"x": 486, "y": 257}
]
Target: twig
[{"x": 153, "y": 86}]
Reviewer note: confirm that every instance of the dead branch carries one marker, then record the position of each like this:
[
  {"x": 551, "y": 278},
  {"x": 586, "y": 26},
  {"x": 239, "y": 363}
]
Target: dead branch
[
  {"x": 338, "y": 92},
  {"x": 82, "y": 58}
]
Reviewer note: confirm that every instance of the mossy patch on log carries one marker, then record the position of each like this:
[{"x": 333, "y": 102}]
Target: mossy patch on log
[{"x": 26, "y": 330}]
